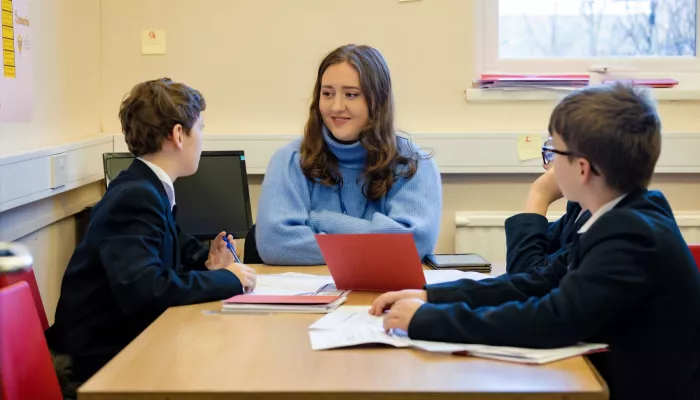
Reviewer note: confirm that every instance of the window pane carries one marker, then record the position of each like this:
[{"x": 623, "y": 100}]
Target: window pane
[{"x": 596, "y": 28}]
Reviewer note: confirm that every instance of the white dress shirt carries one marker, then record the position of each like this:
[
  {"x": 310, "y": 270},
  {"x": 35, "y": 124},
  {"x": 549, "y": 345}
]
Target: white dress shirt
[{"x": 164, "y": 178}]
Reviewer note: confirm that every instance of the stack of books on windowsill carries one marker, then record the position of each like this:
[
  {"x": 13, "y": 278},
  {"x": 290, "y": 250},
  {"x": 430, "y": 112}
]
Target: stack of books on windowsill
[{"x": 510, "y": 82}]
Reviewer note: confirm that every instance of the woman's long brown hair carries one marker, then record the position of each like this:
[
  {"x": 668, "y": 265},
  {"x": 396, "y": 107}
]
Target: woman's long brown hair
[{"x": 384, "y": 163}]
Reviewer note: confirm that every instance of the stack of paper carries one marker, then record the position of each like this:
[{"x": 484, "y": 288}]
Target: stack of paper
[
  {"x": 531, "y": 82},
  {"x": 289, "y": 292},
  {"x": 352, "y": 326},
  {"x": 294, "y": 283},
  {"x": 663, "y": 83},
  {"x": 294, "y": 292},
  {"x": 248, "y": 303}
]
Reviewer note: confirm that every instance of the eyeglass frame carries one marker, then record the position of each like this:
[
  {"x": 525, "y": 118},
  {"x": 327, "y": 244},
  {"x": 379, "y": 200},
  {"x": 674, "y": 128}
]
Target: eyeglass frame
[{"x": 546, "y": 149}]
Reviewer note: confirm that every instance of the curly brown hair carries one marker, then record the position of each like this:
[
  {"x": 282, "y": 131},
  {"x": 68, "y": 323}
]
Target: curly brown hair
[
  {"x": 385, "y": 165},
  {"x": 150, "y": 112}
]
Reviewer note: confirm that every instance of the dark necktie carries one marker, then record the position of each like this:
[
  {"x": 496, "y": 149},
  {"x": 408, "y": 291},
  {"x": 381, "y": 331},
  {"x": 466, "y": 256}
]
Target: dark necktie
[{"x": 585, "y": 216}]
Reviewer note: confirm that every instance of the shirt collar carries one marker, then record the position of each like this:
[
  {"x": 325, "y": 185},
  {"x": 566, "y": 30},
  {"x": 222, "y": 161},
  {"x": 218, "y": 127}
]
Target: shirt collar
[
  {"x": 601, "y": 211},
  {"x": 164, "y": 178}
]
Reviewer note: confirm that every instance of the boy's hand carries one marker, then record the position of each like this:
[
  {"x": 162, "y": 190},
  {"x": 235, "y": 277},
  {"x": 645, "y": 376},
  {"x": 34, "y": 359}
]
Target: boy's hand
[
  {"x": 245, "y": 274},
  {"x": 388, "y": 299},
  {"x": 546, "y": 186},
  {"x": 401, "y": 314},
  {"x": 219, "y": 255},
  {"x": 543, "y": 192}
]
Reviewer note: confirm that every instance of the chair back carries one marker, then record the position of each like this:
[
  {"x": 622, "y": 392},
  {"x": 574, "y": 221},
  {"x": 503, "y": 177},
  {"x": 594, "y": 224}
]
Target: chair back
[
  {"x": 695, "y": 251},
  {"x": 26, "y": 368},
  {"x": 16, "y": 266},
  {"x": 250, "y": 248}
]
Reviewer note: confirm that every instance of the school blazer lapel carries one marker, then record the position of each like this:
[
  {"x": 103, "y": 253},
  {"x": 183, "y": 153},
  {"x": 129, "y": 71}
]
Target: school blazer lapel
[
  {"x": 172, "y": 227},
  {"x": 140, "y": 169}
]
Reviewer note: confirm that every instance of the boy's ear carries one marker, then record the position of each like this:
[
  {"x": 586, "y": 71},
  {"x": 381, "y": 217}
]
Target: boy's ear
[
  {"x": 177, "y": 136},
  {"x": 584, "y": 170}
]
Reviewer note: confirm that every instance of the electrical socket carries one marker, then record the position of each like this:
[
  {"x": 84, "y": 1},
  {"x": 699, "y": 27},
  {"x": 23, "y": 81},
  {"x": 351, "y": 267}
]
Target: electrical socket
[{"x": 59, "y": 170}]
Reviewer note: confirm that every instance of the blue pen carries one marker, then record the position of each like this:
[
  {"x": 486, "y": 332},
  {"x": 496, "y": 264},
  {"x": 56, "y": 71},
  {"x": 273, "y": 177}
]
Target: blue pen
[{"x": 230, "y": 247}]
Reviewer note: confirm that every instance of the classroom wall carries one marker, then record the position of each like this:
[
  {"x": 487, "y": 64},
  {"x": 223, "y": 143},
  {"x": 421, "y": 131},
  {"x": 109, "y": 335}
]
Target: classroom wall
[
  {"x": 53, "y": 245},
  {"x": 255, "y": 62},
  {"x": 257, "y": 78},
  {"x": 66, "y": 47}
]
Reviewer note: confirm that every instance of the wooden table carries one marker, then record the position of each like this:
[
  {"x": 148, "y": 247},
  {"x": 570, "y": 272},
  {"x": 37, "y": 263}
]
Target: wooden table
[{"x": 190, "y": 353}]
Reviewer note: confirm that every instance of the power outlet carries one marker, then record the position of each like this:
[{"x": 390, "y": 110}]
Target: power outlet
[{"x": 59, "y": 170}]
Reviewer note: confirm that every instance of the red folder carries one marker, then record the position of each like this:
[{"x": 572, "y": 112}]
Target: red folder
[{"x": 373, "y": 262}]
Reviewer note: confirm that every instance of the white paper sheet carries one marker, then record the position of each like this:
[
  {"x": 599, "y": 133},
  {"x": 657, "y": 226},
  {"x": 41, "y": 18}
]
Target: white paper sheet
[
  {"x": 353, "y": 325},
  {"x": 293, "y": 284},
  {"x": 331, "y": 339},
  {"x": 347, "y": 317},
  {"x": 433, "y": 276}
]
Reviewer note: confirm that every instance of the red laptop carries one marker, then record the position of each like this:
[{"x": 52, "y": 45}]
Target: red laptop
[{"x": 373, "y": 262}]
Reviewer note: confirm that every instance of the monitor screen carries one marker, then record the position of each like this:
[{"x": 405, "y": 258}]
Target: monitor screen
[
  {"x": 115, "y": 165},
  {"x": 212, "y": 200}
]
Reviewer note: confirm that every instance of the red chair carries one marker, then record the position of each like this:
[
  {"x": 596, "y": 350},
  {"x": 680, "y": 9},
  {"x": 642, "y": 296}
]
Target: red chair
[
  {"x": 16, "y": 266},
  {"x": 26, "y": 369},
  {"x": 695, "y": 251}
]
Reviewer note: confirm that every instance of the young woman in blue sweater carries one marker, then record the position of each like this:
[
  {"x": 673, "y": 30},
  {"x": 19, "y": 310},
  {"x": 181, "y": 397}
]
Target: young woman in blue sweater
[{"x": 350, "y": 172}]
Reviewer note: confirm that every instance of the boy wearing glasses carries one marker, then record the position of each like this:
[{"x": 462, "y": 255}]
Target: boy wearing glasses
[
  {"x": 533, "y": 241},
  {"x": 631, "y": 281}
]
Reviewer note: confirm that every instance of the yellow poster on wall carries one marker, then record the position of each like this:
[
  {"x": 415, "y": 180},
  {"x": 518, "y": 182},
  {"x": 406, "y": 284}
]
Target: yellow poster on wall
[
  {"x": 7, "y": 18},
  {"x": 16, "y": 61},
  {"x": 8, "y": 58},
  {"x": 8, "y": 34}
]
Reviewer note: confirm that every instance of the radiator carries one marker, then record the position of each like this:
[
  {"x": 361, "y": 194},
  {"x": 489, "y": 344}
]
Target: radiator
[{"x": 483, "y": 233}]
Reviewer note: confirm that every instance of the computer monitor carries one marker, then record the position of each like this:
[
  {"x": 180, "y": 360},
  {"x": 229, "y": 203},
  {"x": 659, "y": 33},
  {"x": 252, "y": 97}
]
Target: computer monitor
[{"x": 214, "y": 199}]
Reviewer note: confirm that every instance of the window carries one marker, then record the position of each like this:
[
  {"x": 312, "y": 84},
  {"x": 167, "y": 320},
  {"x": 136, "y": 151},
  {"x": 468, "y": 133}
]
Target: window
[{"x": 556, "y": 36}]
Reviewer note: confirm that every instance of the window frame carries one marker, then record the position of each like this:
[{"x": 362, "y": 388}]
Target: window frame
[{"x": 486, "y": 23}]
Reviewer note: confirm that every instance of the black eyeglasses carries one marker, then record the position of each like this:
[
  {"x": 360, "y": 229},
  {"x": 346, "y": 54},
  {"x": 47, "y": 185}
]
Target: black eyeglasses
[{"x": 549, "y": 152}]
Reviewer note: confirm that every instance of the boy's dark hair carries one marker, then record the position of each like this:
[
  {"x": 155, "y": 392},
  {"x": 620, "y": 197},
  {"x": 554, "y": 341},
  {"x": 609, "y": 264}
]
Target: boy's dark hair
[
  {"x": 150, "y": 112},
  {"x": 616, "y": 128}
]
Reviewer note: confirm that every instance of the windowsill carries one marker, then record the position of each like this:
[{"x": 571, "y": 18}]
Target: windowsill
[{"x": 497, "y": 95}]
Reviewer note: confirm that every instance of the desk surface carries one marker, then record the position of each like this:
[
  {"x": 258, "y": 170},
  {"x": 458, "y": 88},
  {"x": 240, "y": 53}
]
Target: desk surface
[{"x": 189, "y": 353}]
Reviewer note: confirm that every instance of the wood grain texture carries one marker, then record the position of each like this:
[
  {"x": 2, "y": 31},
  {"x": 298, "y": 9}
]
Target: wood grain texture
[{"x": 192, "y": 352}]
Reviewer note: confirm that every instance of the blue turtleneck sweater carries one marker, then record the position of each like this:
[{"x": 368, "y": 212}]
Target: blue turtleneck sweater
[{"x": 292, "y": 208}]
